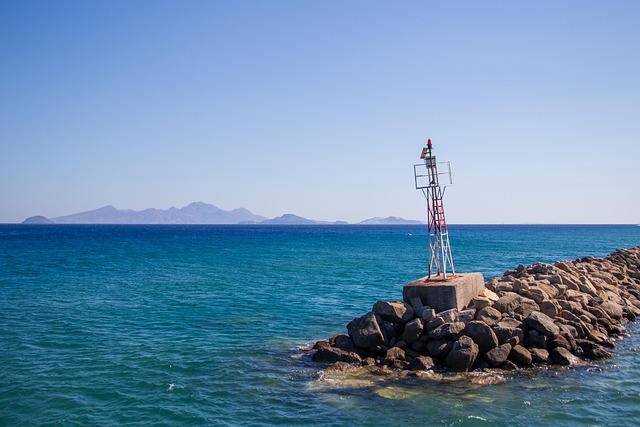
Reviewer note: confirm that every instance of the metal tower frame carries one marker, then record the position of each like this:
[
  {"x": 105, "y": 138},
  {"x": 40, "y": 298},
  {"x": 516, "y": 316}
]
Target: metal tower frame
[{"x": 433, "y": 185}]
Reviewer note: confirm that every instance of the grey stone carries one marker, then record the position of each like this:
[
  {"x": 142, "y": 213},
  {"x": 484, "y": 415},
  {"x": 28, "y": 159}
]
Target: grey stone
[
  {"x": 365, "y": 331},
  {"x": 462, "y": 355},
  {"x": 592, "y": 350},
  {"x": 420, "y": 346},
  {"x": 535, "y": 339},
  {"x": 435, "y": 322},
  {"x": 427, "y": 314},
  {"x": 343, "y": 342},
  {"x": 541, "y": 323},
  {"x": 416, "y": 304}
]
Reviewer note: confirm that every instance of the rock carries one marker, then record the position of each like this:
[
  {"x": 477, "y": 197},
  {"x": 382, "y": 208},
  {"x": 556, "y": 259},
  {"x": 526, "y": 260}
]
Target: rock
[
  {"x": 562, "y": 356},
  {"x": 427, "y": 314},
  {"x": 420, "y": 346},
  {"x": 343, "y": 342},
  {"x": 541, "y": 323},
  {"x": 539, "y": 355},
  {"x": 440, "y": 348},
  {"x": 489, "y": 315},
  {"x": 393, "y": 311},
  {"x": 612, "y": 309},
  {"x": 482, "y": 335},
  {"x": 421, "y": 363},
  {"x": 535, "y": 339},
  {"x": 416, "y": 304},
  {"x": 509, "y": 366},
  {"x": 449, "y": 316},
  {"x": 592, "y": 350},
  {"x": 520, "y": 356},
  {"x": 497, "y": 356},
  {"x": 462, "y": 355},
  {"x": 322, "y": 344},
  {"x": 536, "y": 294},
  {"x": 446, "y": 330},
  {"x": 365, "y": 331},
  {"x": 511, "y": 302},
  {"x": 332, "y": 355},
  {"x": 394, "y": 353},
  {"x": 548, "y": 307},
  {"x": 506, "y": 330},
  {"x": 466, "y": 316},
  {"x": 481, "y": 302},
  {"x": 435, "y": 322},
  {"x": 412, "y": 331}
]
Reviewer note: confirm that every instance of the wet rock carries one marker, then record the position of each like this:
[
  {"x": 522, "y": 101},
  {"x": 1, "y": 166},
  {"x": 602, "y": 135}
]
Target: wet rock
[
  {"x": 462, "y": 354},
  {"x": 562, "y": 356},
  {"x": 394, "y": 353},
  {"x": 440, "y": 348},
  {"x": 421, "y": 363},
  {"x": 365, "y": 331},
  {"x": 592, "y": 350},
  {"x": 520, "y": 356},
  {"x": 539, "y": 355},
  {"x": 332, "y": 355},
  {"x": 497, "y": 356}
]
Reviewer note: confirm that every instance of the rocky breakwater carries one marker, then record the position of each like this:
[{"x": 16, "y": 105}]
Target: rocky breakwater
[{"x": 543, "y": 314}]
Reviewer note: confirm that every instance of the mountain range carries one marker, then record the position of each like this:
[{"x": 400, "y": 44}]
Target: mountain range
[{"x": 194, "y": 213}]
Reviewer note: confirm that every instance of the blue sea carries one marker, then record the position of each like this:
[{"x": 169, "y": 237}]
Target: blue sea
[{"x": 110, "y": 325}]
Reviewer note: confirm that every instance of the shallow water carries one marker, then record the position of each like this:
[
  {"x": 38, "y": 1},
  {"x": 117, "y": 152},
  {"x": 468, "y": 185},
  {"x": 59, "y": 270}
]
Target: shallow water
[{"x": 201, "y": 325}]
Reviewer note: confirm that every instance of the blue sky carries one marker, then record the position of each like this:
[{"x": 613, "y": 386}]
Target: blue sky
[{"x": 321, "y": 108}]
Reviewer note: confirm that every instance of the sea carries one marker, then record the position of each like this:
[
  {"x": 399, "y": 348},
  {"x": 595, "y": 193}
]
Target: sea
[{"x": 210, "y": 325}]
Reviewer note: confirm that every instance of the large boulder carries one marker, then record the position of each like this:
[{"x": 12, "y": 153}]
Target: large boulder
[
  {"x": 393, "y": 311},
  {"x": 481, "y": 334},
  {"x": 541, "y": 323},
  {"x": 412, "y": 330},
  {"x": 489, "y": 315},
  {"x": 332, "y": 355},
  {"x": 520, "y": 356},
  {"x": 365, "y": 331},
  {"x": 439, "y": 349},
  {"x": 446, "y": 330},
  {"x": 462, "y": 354},
  {"x": 562, "y": 356},
  {"x": 497, "y": 356},
  {"x": 612, "y": 309},
  {"x": 511, "y": 302},
  {"x": 421, "y": 363}
]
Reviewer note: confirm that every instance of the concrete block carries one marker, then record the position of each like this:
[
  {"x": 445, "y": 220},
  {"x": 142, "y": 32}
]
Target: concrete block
[{"x": 455, "y": 292}]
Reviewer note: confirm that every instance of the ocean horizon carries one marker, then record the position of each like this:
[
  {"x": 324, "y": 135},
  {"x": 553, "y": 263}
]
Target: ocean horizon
[{"x": 208, "y": 325}]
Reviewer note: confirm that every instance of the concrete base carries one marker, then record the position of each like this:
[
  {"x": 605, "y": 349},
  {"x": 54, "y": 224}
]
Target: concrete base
[{"x": 455, "y": 292}]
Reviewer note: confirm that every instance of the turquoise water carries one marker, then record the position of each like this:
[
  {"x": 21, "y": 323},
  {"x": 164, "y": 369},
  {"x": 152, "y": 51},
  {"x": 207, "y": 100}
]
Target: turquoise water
[{"x": 202, "y": 325}]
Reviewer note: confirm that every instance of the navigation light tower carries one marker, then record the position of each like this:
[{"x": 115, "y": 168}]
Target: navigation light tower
[{"x": 433, "y": 183}]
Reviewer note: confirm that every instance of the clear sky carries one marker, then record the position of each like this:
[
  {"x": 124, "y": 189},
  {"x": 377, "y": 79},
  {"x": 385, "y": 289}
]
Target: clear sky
[{"x": 321, "y": 108}]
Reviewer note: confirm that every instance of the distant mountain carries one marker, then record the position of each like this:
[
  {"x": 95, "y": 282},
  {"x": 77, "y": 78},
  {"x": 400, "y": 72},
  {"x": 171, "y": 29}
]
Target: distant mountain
[
  {"x": 195, "y": 213},
  {"x": 390, "y": 220},
  {"x": 291, "y": 219},
  {"x": 38, "y": 219}
]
